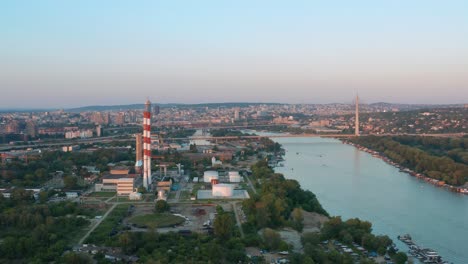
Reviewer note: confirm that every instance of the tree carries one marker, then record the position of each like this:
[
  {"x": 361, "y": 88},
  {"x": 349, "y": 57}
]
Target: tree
[
  {"x": 400, "y": 258},
  {"x": 193, "y": 148},
  {"x": 297, "y": 219},
  {"x": 70, "y": 182},
  {"x": 271, "y": 238},
  {"x": 125, "y": 241},
  {"x": 223, "y": 226},
  {"x": 141, "y": 189},
  {"x": 43, "y": 196},
  {"x": 75, "y": 258},
  {"x": 161, "y": 206}
]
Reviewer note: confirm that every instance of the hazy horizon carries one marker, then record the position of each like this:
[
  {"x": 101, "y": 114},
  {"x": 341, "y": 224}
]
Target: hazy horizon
[{"x": 56, "y": 54}]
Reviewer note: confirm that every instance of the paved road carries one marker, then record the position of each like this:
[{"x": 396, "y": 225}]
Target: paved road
[
  {"x": 97, "y": 224},
  {"x": 234, "y": 207},
  {"x": 250, "y": 184}
]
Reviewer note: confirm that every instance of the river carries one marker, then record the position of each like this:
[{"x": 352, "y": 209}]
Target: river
[{"x": 352, "y": 183}]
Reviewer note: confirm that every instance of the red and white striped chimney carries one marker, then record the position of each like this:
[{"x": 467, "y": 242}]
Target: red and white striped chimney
[{"x": 147, "y": 145}]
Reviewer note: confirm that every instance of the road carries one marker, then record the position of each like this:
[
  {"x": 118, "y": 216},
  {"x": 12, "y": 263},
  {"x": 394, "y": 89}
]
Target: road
[
  {"x": 97, "y": 224},
  {"x": 234, "y": 207},
  {"x": 250, "y": 184}
]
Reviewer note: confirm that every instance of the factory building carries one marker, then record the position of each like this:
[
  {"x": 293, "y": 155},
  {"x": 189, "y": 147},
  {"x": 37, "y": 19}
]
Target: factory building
[
  {"x": 234, "y": 176},
  {"x": 208, "y": 176},
  {"x": 222, "y": 190},
  {"x": 122, "y": 184},
  {"x": 125, "y": 186}
]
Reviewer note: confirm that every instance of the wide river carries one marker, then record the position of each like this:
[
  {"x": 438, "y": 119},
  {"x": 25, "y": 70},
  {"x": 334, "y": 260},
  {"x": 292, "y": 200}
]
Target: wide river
[{"x": 352, "y": 183}]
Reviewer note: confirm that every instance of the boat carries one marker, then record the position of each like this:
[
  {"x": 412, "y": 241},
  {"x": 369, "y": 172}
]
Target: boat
[{"x": 425, "y": 255}]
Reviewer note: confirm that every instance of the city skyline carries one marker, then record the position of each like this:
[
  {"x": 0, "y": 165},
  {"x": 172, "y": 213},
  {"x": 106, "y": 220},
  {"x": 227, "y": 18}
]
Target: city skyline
[{"x": 62, "y": 55}]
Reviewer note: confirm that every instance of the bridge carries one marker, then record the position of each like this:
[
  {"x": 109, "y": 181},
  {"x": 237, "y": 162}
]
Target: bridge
[
  {"x": 309, "y": 135},
  {"x": 265, "y": 136},
  {"x": 109, "y": 139}
]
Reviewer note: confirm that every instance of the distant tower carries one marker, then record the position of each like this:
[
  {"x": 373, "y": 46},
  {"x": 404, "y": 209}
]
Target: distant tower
[
  {"x": 147, "y": 145},
  {"x": 98, "y": 131},
  {"x": 236, "y": 114},
  {"x": 356, "y": 126}
]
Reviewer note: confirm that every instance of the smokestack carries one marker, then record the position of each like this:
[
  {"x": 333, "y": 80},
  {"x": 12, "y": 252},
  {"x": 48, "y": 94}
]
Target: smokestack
[
  {"x": 139, "y": 148},
  {"x": 147, "y": 145}
]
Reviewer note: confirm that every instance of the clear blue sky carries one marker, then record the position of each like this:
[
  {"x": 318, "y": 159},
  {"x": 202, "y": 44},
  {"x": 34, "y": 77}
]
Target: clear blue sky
[{"x": 73, "y": 53}]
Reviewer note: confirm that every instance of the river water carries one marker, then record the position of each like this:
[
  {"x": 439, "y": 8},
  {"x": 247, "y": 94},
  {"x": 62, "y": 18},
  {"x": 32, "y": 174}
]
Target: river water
[{"x": 352, "y": 183}]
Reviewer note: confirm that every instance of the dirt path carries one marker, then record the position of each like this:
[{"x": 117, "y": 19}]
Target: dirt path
[{"x": 96, "y": 224}]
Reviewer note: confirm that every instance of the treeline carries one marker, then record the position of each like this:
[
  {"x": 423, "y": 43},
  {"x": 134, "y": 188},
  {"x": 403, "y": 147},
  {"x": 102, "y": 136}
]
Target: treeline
[
  {"x": 37, "y": 233},
  {"x": 224, "y": 132},
  {"x": 277, "y": 198},
  {"x": 420, "y": 160},
  {"x": 223, "y": 246},
  {"x": 351, "y": 233},
  {"x": 36, "y": 172},
  {"x": 454, "y": 148}
]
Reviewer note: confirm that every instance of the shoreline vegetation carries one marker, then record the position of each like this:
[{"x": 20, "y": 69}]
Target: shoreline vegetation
[
  {"x": 439, "y": 171},
  {"x": 278, "y": 205}
]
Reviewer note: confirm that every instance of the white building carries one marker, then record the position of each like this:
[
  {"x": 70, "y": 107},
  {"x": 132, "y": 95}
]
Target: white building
[
  {"x": 210, "y": 175},
  {"x": 134, "y": 196},
  {"x": 234, "y": 176},
  {"x": 71, "y": 195},
  {"x": 222, "y": 190},
  {"x": 215, "y": 162}
]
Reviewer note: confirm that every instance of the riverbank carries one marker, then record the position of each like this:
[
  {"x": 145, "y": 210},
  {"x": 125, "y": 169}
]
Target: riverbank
[
  {"x": 351, "y": 183},
  {"x": 421, "y": 176}
]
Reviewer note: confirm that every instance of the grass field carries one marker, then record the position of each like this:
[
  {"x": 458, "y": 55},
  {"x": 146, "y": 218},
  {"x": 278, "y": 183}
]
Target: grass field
[
  {"x": 171, "y": 195},
  {"x": 157, "y": 220},
  {"x": 185, "y": 195},
  {"x": 101, "y": 235}
]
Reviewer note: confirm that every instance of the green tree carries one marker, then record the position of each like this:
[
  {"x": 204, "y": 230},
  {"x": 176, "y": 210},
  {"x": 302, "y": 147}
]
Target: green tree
[
  {"x": 297, "y": 219},
  {"x": 400, "y": 258},
  {"x": 161, "y": 206},
  {"x": 223, "y": 226},
  {"x": 271, "y": 238},
  {"x": 75, "y": 258},
  {"x": 70, "y": 182}
]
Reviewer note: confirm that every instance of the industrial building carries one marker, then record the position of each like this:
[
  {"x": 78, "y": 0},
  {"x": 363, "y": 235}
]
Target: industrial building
[
  {"x": 222, "y": 190},
  {"x": 234, "y": 176},
  {"x": 122, "y": 184},
  {"x": 208, "y": 176}
]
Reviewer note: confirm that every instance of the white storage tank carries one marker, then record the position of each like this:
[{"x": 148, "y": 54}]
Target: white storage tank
[
  {"x": 234, "y": 176},
  {"x": 162, "y": 195},
  {"x": 134, "y": 196},
  {"x": 210, "y": 175},
  {"x": 223, "y": 190}
]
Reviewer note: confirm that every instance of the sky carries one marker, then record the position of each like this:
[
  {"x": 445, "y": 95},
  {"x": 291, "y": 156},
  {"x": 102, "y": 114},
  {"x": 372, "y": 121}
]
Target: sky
[{"x": 77, "y": 53}]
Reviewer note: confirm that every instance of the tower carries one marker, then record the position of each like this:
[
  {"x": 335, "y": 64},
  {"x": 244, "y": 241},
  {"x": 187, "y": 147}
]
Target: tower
[
  {"x": 356, "y": 126},
  {"x": 147, "y": 145},
  {"x": 139, "y": 150}
]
